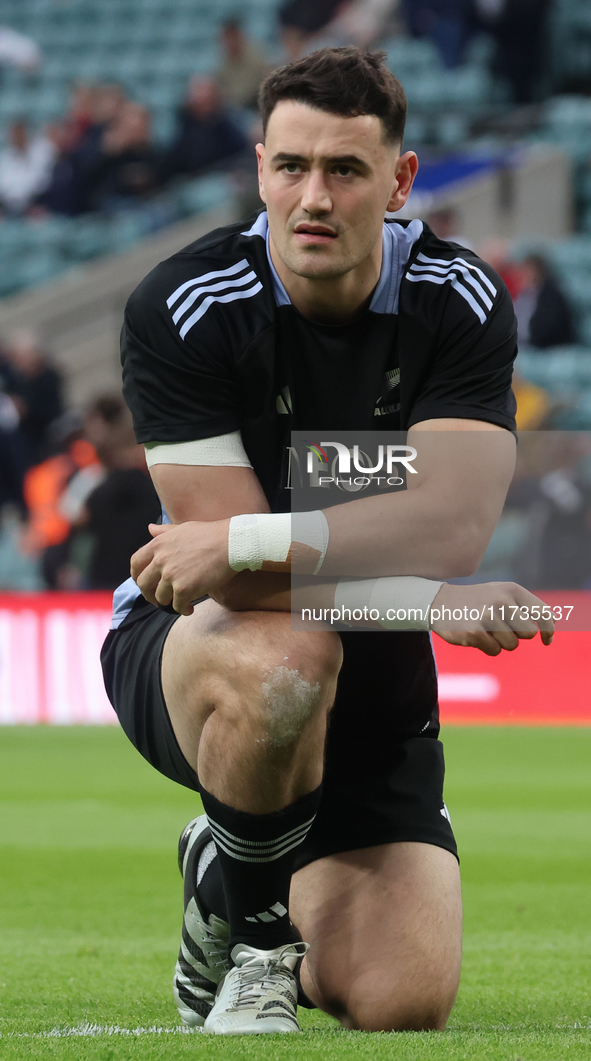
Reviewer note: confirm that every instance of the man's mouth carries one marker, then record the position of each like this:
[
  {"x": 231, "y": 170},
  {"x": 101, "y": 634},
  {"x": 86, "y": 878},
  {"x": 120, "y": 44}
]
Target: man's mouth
[{"x": 308, "y": 233}]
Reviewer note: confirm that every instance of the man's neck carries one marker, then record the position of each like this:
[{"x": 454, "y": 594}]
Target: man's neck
[{"x": 331, "y": 301}]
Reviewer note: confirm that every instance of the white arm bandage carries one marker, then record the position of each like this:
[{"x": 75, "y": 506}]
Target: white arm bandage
[
  {"x": 403, "y": 602},
  {"x": 220, "y": 451},
  {"x": 258, "y": 537}
]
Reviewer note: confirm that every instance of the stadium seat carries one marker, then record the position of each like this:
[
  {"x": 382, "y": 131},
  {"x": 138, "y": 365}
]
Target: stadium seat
[
  {"x": 204, "y": 193},
  {"x": 39, "y": 266},
  {"x": 85, "y": 238}
]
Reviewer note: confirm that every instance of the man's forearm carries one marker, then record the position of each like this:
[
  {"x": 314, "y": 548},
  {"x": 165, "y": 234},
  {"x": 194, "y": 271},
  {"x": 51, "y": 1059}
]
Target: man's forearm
[
  {"x": 438, "y": 528},
  {"x": 268, "y": 591}
]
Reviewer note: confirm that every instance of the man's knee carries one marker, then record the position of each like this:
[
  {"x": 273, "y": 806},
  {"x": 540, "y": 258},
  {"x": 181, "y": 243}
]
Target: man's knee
[
  {"x": 388, "y": 999},
  {"x": 392, "y": 1011},
  {"x": 283, "y": 678}
]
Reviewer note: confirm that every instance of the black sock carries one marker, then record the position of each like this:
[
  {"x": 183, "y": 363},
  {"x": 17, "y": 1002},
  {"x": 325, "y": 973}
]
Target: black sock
[{"x": 256, "y": 854}]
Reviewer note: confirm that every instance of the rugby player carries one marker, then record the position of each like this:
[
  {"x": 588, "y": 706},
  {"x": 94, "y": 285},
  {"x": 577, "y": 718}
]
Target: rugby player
[{"x": 324, "y": 869}]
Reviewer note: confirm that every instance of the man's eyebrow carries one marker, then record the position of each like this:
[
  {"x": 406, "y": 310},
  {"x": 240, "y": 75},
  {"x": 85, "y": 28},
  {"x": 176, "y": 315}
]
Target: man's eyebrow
[{"x": 286, "y": 156}]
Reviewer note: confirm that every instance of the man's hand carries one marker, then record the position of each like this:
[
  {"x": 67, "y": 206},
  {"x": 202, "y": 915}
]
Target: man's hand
[
  {"x": 495, "y": 616},
  {"x": 183, "y": 562}
]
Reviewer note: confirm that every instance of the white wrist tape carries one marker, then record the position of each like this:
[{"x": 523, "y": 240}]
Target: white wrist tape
[
  {"x": 403, "y": 602},
  {"x": 258, "y": 537},
  {"x": 311, "y": 528}
]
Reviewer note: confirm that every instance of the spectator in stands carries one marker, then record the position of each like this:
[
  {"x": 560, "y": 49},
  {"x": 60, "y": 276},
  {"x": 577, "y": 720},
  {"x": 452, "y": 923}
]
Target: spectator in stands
[
  {"x": 37, "y": 389},
  {"x": 519, "y": 28},
  {"x": 243, "y": 67},
  {"x": 12, "y": 442},
  {"x": 47, "y": 533},
  {"x": 557, "y": 500},
  {"x": 80, "y": 116},
  {"x": 361, "y": 22},
  {"x": 117, "y": 512},
  {"x": 449, "y": 24},
  {"x": 207, "y": 134},
  {"x": 533, "y": 404},
  {"x": 25, "y": 168},
  {"x": 445, "y": 223},
  {"x": 18, "y": 50},
  {"x": 301, "y": 20},
  {"x": 79, "y": 140},
  {"x": 544, "y": 316},
  {"x": 496, "y": 251},
  {"x": 127, "y": 168}
]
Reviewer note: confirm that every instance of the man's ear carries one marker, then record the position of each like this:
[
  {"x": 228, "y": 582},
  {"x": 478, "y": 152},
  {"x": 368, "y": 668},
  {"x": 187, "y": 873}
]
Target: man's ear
[
  {"x": 406, "y": 171},
  {"x": 260, "y": 150}
]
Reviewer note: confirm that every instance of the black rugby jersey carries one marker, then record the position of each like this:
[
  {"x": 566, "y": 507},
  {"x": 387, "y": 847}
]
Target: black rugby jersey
[{"x": 212, "y": 344}]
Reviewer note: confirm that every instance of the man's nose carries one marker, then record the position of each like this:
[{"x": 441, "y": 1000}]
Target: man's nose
[{"x": 316, "y": 198}]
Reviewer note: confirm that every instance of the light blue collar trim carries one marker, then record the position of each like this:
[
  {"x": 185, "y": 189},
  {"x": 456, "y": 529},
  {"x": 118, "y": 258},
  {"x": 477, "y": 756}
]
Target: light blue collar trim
[
  {"x": 397, "y": 244},
  {"x": 261, "y": 228}
]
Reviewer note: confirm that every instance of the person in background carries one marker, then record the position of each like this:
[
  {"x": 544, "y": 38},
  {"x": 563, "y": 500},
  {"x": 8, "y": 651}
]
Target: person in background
[
  {"x": 79, "y": 117},
  {"x": 243, "y": 67},
  {"x": 544, "y": 316},
  {"x": 206, "y": 135},
  {"x": 519, "y": 28},
  {"x": 449, "y": 24},
  {"x": 79, "y": 141},
  {"x": 301, "y": 20},
  {"x": 533, "y": 404},
  {"x": 47, "y": 532},
  {"x": 26, "y": 166},
  {"x": 127, "y": 167},
  {"x": 118, "y": 510},
  {"x": 12, "y": 442},
  {"x": 37, "y": 390},
  {"x": 445, "y": 223},
  {"x": 497, "y": 252},
  {"x": 18, "y": 50}
]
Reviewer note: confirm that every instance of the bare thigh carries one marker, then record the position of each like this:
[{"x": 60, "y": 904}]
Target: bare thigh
[{"x": 384, "y": 926}]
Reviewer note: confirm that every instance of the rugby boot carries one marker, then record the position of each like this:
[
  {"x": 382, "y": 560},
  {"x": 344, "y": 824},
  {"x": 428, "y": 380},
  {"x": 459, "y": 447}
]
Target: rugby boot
[
  {"x": 259, "y": 994},
  {"x": 203, "y": 958}
]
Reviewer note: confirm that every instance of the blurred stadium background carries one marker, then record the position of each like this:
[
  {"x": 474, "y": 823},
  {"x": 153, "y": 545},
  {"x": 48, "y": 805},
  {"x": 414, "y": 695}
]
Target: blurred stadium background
[{"x": 127, "y": 130}]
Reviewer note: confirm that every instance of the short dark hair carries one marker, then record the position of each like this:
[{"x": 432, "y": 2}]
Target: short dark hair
[{"x": 347, "y": 81}]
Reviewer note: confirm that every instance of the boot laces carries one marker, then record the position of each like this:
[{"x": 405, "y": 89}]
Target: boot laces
[{"x": 260, "y": 974}]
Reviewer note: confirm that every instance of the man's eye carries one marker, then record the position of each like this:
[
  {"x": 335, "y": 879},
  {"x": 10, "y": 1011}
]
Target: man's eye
[
  {"x": 291, "y": 167},
  {"x": 343, "y": 171}
]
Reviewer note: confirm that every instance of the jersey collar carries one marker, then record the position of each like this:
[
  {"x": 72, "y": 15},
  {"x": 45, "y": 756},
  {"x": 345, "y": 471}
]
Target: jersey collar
[{"x": 397, "y": 244}]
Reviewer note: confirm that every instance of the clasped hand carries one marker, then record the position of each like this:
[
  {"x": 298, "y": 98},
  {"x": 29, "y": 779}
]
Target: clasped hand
[{"x": 182, "y": 563}]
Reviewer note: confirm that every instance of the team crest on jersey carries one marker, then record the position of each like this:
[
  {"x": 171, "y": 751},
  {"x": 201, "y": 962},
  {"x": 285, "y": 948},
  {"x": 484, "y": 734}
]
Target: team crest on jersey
[
  {"x": 283, "y": 402},
  {"x": 384, "y": 404}
]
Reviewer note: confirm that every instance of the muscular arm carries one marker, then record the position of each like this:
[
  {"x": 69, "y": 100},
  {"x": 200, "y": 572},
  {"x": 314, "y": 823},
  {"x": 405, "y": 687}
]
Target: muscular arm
[
  {"x": 201, "y": 499},
  {"x": 441, "y": 525},
  {"x": 438, "y": 528}
]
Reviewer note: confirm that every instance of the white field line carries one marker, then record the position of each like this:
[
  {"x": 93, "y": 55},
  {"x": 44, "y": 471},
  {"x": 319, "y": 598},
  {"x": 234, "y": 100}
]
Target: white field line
[{"x": 99, "y": 1029}]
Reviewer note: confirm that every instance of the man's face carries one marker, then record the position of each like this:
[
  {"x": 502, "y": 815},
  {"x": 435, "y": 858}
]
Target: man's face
[{"x": 327, "y": 182}]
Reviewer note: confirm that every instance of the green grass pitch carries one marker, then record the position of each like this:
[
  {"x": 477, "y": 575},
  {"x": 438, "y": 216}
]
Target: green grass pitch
[{"x": 90, "y": 904}]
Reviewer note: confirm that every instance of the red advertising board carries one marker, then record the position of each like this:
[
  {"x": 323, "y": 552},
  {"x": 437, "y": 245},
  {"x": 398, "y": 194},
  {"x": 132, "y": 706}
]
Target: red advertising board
[
  {"x": 533, "y": 686},
  {"x": 50, "y": 670}
]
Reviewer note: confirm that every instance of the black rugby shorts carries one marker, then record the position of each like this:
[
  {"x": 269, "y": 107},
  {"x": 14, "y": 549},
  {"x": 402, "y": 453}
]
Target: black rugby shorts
[{"x": 384, "y": 770}]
